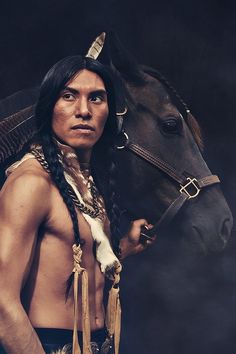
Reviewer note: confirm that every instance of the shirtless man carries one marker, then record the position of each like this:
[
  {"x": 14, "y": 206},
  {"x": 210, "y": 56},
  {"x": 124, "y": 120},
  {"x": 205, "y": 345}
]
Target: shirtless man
[{"x": 38, "y": 222}]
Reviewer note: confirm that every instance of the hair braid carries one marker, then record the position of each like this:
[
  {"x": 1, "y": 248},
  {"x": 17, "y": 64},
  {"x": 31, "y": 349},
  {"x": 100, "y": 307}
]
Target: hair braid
[{"x": 51, "y": 151}]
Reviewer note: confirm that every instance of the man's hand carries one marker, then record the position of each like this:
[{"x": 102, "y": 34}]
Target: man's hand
[{"x": 131, "y": 242}]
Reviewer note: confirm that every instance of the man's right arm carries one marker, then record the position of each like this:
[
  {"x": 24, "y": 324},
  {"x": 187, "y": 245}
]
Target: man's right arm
[
  {"x": 130, "y": 243},
  {"x": 23, "y": 208}
]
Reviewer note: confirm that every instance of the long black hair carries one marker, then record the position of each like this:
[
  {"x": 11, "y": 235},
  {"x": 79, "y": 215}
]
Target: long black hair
[{"x": 102, "y": 160}]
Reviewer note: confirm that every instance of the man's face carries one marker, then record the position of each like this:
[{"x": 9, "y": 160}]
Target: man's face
[{"x": 81, "y": 111}]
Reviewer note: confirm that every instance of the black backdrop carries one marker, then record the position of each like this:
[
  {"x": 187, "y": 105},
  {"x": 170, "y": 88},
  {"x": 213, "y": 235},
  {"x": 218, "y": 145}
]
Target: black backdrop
[{"x": 193, "y": 44}]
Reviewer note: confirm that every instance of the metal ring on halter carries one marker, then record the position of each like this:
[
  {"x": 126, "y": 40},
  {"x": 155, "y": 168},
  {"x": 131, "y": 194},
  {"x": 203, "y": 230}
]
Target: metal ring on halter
[
  {"x": 122, "y": 113},
  {"x": 120, "y": 147}
]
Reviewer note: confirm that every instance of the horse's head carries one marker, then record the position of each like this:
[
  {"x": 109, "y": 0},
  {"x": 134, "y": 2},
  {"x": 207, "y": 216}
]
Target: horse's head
[{"x": 154, "y": 122}]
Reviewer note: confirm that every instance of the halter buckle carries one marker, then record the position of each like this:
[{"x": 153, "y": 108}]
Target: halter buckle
[{"x": 190, "y": 188}]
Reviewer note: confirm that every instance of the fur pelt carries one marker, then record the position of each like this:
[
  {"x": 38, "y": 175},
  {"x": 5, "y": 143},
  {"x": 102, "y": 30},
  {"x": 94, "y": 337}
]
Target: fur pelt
[{"x": 67, "y": 349}]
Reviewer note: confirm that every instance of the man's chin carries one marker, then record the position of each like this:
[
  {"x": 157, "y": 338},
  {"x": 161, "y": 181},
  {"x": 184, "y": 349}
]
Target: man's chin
[
  {"x": 77, "y": 144},
  {"x": 81, "y": 146}
]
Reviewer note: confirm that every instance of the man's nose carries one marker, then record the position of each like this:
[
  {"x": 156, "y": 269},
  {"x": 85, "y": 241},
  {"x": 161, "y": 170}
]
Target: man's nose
[{"x": 83, "y": 109}]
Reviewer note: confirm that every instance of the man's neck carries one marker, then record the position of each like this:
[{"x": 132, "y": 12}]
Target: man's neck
[{"x": 83, "y": 156}]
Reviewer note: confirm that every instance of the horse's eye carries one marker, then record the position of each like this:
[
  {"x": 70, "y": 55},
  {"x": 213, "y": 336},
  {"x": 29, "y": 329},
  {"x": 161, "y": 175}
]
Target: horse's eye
[{"x": 171, "y": 126}]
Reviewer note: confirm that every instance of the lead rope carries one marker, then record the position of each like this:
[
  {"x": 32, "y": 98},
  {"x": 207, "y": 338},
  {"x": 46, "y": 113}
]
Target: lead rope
[
  {"x": 77, "y": 254},
  {"x": 113, "y": 315}
]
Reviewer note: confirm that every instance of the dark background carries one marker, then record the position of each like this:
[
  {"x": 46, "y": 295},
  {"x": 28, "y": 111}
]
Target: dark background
[{"x": 193, "y": 44}]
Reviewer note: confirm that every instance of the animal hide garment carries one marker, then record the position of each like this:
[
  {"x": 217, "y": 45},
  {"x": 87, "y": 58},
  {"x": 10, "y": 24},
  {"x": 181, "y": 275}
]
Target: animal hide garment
[{"x": 64, "y": 350}]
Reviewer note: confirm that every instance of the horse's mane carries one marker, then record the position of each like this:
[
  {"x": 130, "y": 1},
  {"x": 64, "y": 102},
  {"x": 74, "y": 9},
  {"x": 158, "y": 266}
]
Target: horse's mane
[{"x": 181, "y": 105}]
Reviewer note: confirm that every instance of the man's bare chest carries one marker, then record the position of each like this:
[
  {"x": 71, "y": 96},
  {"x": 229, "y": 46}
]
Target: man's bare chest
[
  {"x": 53, "y": 255},
  {"x": 59, "y": 222}
]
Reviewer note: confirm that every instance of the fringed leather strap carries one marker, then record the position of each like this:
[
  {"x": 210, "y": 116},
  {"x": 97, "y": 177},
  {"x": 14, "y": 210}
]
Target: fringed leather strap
[
  {"x": 77, "y": 254},
  {"x": 113, "y": 315}
]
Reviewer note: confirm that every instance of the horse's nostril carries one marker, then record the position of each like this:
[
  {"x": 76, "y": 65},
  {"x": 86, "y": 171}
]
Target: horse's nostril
[{"x": 226, "y": 229}]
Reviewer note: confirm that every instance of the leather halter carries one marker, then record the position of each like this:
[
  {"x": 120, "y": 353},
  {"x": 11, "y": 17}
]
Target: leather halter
[{"x": 189, "y": 187}]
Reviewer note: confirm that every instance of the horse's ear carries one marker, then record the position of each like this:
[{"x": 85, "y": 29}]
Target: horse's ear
[
  {"x": 121, "y": 59},
  {"x": 108, "y": 49}
]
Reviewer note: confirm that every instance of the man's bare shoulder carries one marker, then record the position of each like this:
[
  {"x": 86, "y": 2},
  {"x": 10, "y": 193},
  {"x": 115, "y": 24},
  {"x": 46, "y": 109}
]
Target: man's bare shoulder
[{"x": 29, "y": 179}]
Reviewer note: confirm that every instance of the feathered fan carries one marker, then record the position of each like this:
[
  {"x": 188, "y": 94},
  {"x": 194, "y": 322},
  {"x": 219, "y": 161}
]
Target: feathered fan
[{"x": 17, "y": 125}]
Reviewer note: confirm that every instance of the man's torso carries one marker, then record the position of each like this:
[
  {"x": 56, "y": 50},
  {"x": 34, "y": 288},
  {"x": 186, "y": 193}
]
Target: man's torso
[{"x": 43, "y": 293}]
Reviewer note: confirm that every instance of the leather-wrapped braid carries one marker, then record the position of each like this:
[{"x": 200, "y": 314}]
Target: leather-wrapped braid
[
  {"x": 113, "y": 209},
  {"x": 51, "y": 151}
]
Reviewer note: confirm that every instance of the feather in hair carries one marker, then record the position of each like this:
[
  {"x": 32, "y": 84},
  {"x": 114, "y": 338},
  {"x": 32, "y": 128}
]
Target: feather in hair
[{"x": 96, "y": 46}]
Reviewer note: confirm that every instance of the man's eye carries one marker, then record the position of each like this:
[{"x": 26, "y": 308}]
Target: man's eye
[
  {"x": 97, "y": 99},
  {"x": 68, "y": 96}
]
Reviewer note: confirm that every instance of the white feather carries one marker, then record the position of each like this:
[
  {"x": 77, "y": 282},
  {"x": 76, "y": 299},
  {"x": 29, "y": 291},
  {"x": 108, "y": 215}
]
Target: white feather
[{"x": 96, "y": 46}]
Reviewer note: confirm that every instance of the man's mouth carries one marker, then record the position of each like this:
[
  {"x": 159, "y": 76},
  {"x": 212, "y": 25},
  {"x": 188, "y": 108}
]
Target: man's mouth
[{"x": 83, "y": 127}]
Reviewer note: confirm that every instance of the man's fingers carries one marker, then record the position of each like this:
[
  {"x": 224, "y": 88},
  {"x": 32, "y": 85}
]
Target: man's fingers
[
  {"x": 145, "y": 239},
  {"x": 139, "y": 233},
  {"x": 140, "y": 222}
]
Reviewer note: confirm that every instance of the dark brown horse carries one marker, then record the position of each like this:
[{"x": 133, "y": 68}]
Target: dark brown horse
[
  {"x": 172, "y": 293},
  {"x": 159, "y": 151}
]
